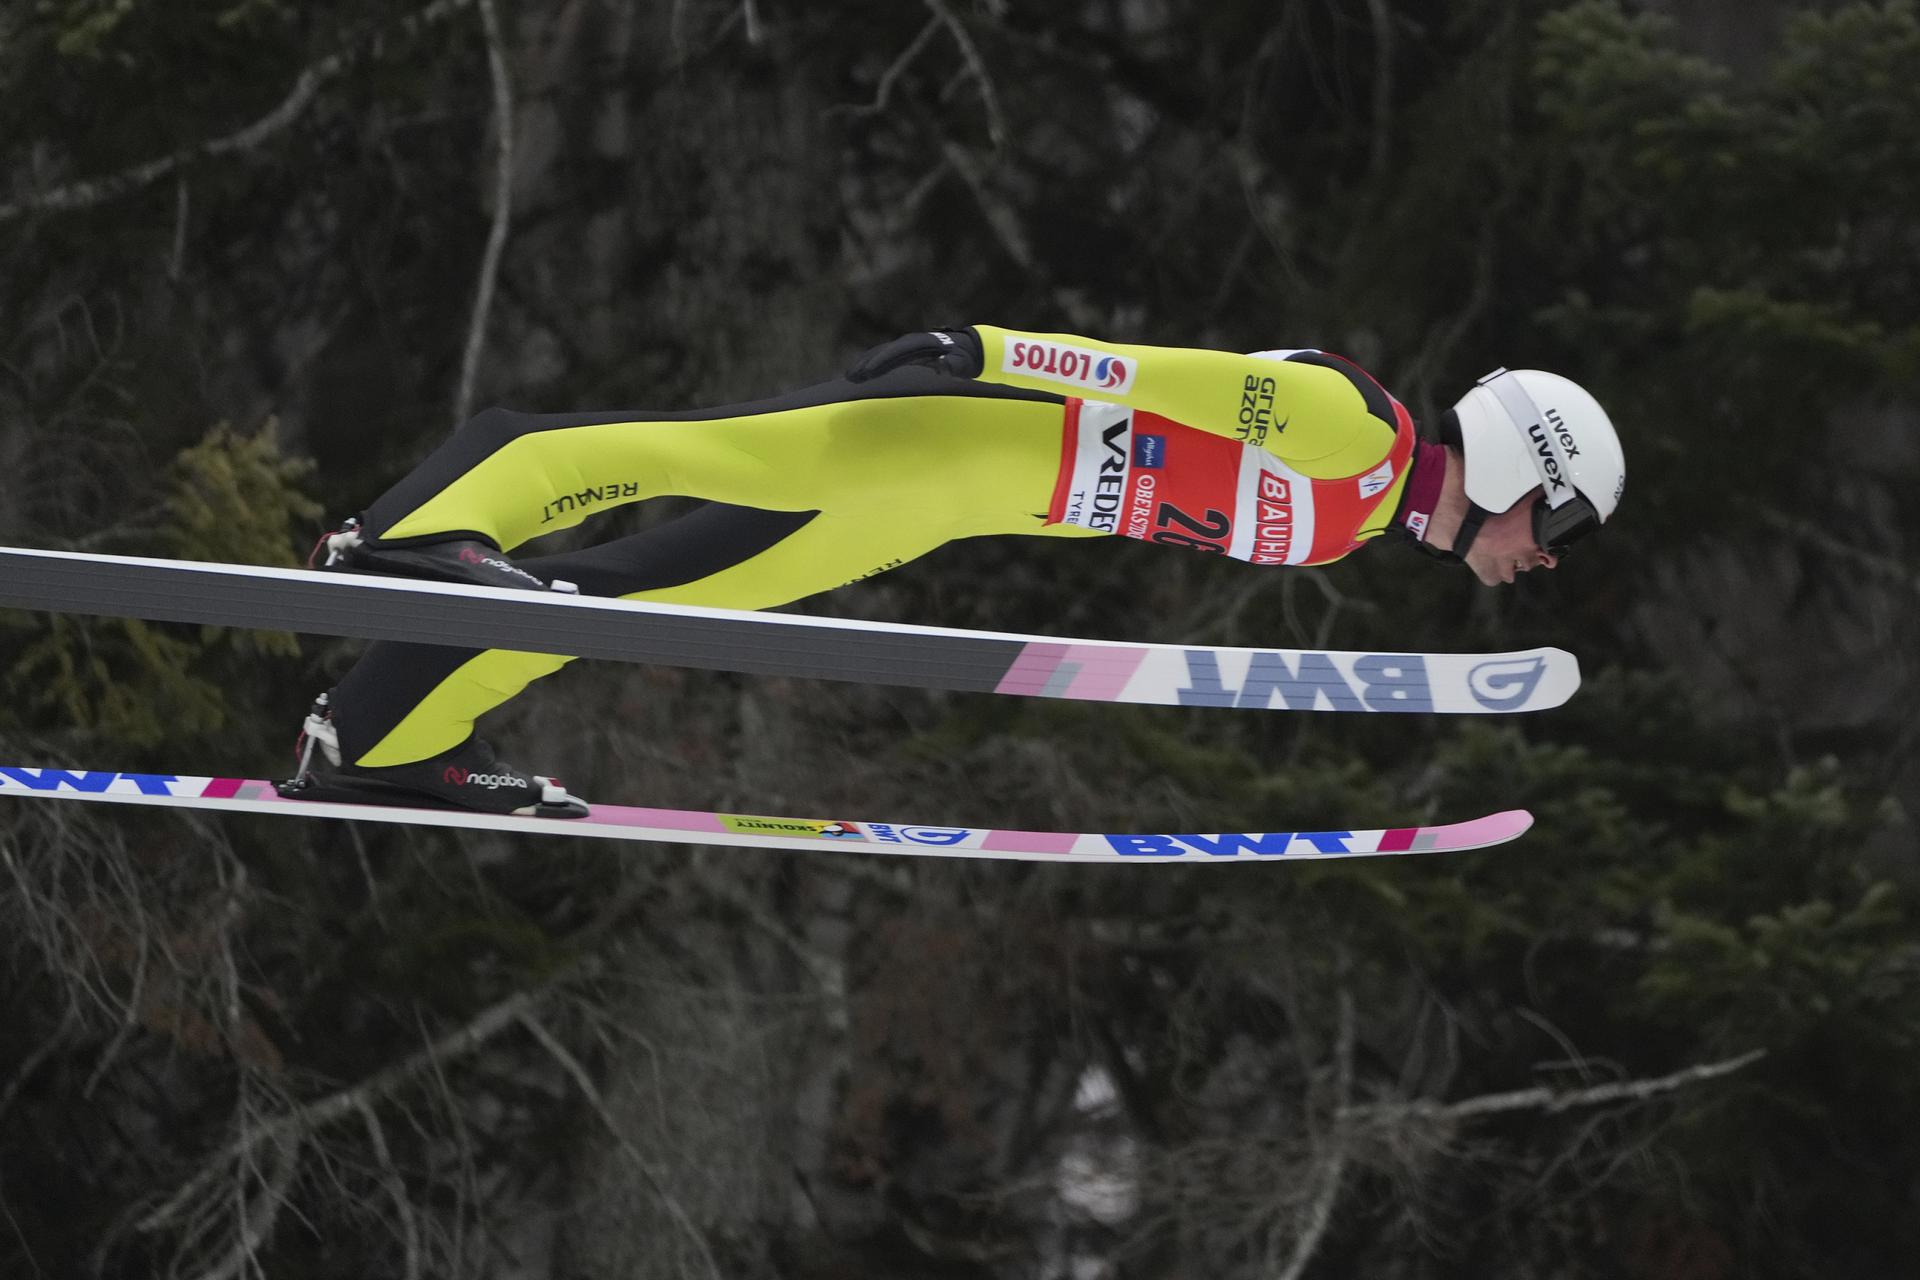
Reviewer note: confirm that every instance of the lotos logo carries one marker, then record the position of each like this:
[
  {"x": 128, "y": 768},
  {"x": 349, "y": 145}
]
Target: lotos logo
[
  {"x": 1074, "y": 366},
  {"x": 1506, "y": 683}
]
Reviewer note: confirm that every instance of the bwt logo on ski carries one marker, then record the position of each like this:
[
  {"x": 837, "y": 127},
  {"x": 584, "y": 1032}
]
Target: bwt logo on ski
[
  {"x": 1380, "y": 682},
  {"x": 1506, "y": 683},
  {"x": 91, "y": 783},
  {"x": 1264, "y": 844}
]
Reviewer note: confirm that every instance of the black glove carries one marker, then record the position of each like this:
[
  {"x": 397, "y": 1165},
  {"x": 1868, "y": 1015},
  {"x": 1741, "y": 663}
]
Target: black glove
[{"x": 954, "y": 351}]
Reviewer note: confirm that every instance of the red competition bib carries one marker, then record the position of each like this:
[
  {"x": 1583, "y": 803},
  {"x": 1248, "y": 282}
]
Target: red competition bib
[{"x": 1139, "y": 475}]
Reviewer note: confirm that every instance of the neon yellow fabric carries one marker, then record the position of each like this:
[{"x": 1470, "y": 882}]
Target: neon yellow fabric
[
  {"x": 892, "y": 478},
  {"x": 1329, "y": 432},
  {"x": 952, "y": 466}
]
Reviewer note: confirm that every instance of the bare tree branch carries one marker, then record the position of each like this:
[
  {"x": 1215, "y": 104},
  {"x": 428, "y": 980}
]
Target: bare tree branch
[
  {"x": 1888, "y": 567},
  {"x": 334, "y": 1106},
  {"x": 1380, "y": 150},
  {"x": 1328, "y": 1175},
  {"x": 257, "y": 1215},
  {"x": 675, "y": 1210},
  {"x": 97, "y": 191},
  {"x": 996, "y": 122},
  {"x": 502, "y": 210},
  {"x": 396, "y": 1189},
  {"x": 883, "y": 92},
  {"x": 1553, "y": 1100}
]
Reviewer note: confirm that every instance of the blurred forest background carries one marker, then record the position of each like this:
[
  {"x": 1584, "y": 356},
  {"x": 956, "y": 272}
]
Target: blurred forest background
[{"x": 258, "y": 257}]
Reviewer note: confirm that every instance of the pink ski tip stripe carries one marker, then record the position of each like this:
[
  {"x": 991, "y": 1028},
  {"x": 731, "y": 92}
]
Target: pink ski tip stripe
[
  {"x": 1103, "y": 672},
  {"x": 1038, "y": 841},
  {"x": 1092, "y": 673},
  {"x": 1495, "y": 828},
  {"x": 666, "y": 819},
  {"x": 1031, "y": 670},
  {"x": 223, "y": 788}
]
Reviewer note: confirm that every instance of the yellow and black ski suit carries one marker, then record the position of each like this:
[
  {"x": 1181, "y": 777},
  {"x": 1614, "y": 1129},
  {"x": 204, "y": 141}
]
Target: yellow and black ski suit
[{"x": 822, "y": 487}]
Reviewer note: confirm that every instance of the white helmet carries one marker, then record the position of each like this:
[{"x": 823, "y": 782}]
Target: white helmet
[{"x": 1523, "y": 429}]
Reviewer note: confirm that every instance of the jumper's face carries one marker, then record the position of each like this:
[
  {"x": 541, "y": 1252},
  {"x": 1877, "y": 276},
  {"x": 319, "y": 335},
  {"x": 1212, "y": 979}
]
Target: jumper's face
[{"x": 1505, "y": 545}]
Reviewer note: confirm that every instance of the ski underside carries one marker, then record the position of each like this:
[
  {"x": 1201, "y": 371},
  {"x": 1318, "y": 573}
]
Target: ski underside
[
  {"x": 782, "y": 644},
  {"x": 686, "y": 826}
]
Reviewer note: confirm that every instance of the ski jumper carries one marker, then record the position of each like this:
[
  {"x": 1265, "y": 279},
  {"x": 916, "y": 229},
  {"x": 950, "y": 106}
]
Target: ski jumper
[{"x": 1284, "y": 457}]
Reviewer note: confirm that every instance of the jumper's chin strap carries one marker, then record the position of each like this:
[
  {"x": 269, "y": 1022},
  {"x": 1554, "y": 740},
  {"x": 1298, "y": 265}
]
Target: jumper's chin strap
[{"x": 1469, "y": 529}]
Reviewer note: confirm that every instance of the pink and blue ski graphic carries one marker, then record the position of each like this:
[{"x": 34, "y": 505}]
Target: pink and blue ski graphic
[
  {"x": 689, "y": 826},
  {"x": 785, "y": 644}
]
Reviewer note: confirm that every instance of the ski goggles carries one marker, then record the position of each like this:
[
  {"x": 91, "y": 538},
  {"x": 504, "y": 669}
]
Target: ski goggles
[{"x": 1557, "y": 528}]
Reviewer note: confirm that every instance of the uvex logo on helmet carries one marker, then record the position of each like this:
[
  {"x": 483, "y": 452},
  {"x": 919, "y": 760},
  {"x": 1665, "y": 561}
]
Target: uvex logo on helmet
[
  {"x": 1549, "y": 465},
  {"x": 1560, "y": 430}
]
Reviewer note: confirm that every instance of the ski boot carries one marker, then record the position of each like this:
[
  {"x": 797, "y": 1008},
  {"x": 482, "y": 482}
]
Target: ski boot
[
  {"x": 468, "y": 561},
  {"x": 468, "y": 777}
]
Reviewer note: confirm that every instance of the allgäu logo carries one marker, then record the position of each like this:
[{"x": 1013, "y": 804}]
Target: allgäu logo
[{"x": 1506, "y": 684}]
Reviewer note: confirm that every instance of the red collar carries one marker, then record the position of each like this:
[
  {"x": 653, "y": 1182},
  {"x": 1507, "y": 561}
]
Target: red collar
[{"x": 1422, "y": 493}]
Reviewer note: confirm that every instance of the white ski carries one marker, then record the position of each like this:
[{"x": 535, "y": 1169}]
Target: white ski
[
  {"x": 377, "y": 608},
  {"x": 685, "y": 826}
]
